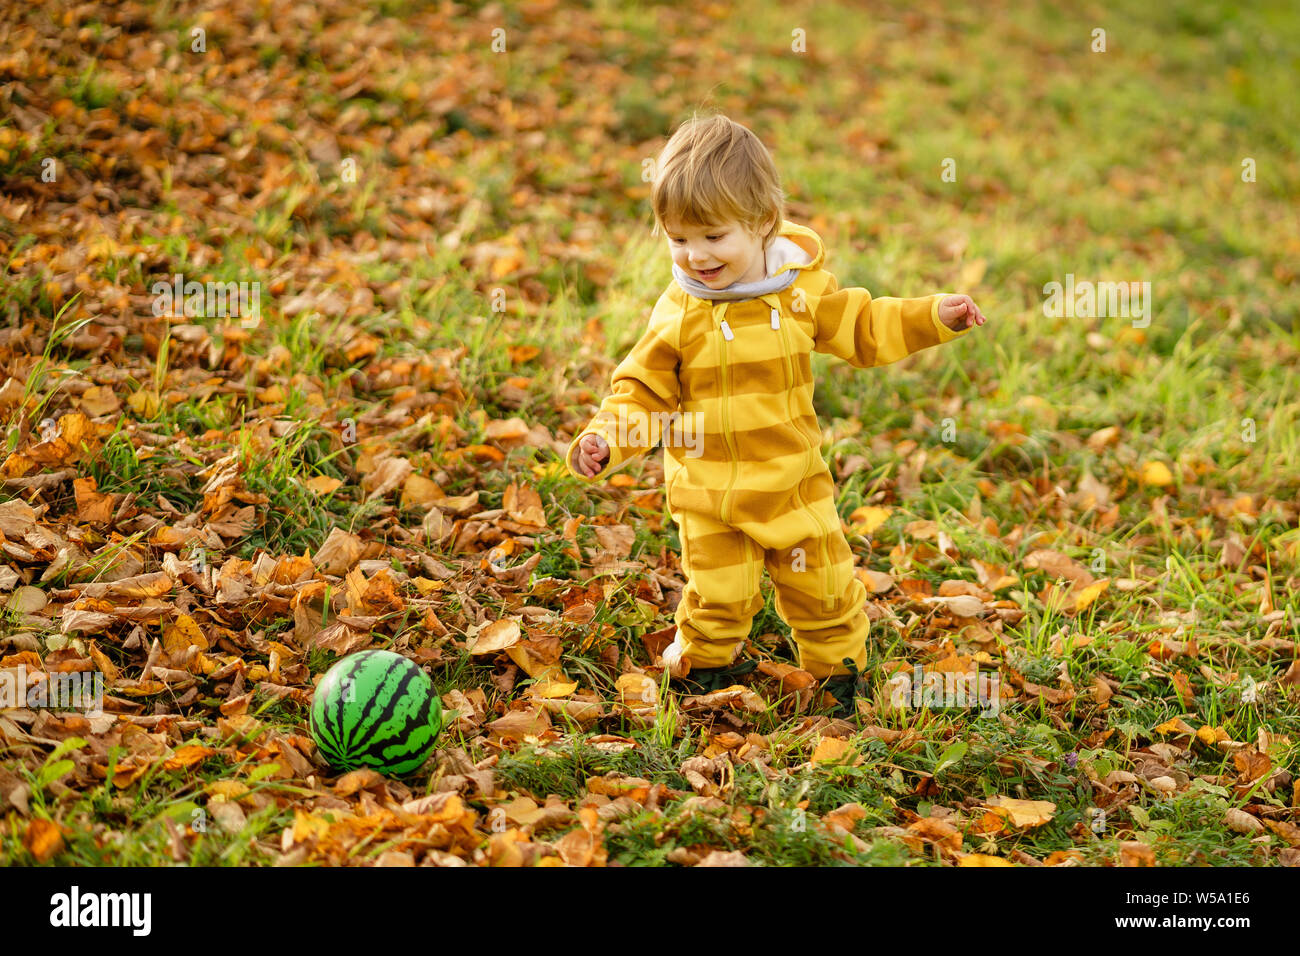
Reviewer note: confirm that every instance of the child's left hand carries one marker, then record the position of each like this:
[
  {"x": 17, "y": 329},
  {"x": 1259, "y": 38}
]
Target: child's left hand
[{"x": 960, "y": 312}]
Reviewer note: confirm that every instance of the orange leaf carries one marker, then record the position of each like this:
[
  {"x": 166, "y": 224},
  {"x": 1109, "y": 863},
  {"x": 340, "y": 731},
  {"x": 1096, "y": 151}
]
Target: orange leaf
[
  {"x": 43, "y": 840},
  {"x": 187, "y": 756},
  {"x": 1183, "y": 687},
  {"x": 92, "y": 507}
]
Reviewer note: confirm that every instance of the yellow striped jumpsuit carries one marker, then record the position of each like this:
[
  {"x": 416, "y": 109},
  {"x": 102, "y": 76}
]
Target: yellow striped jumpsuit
[{"x": 728, "y": 387}]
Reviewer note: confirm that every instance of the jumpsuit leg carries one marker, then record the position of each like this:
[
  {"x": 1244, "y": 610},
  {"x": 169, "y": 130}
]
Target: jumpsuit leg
[
  {"x": 723, "y": 568},
  {"x": 822, "y": 600}
]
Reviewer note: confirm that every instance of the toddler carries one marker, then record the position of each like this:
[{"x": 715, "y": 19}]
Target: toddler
[{"x": 722, "y": 376}]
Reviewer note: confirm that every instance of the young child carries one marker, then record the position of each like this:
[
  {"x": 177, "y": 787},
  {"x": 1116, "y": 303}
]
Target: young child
[{"x": 722, "y": 376}]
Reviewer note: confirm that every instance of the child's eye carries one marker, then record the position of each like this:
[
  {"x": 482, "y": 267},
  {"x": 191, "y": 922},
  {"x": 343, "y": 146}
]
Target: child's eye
[{"x": 714, "y": 238}]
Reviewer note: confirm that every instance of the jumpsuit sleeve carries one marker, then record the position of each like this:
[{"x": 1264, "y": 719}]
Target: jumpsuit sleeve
[
  {"x": 867, "y": 332},
  {"x": 644, "y": 395}
]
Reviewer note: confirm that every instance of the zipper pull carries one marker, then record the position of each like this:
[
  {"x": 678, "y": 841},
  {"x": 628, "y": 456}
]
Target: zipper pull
[
  {"x": 726, "y": 331},
  {"x": 776, "y": 319}
]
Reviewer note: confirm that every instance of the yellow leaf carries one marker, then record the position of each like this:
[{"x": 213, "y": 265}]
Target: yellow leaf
[
  {"x": 1156, "y": 473},
  {"x": 183, "y": 634},
  {"x": 322, "y": 484},
  {"x": 971, "y": 273},
  {"x": 99, "y": 400},
  {"x": 522, "y": 811},
  {"x": 307, "y": 826},
  {"x": 144, "y": 401},
  {"x": 530, "y": 663},
  {"x": 227, "y": 789},
  {"x": 868, "y": 518},
  {"x": 551, "y": 469},
  {"x": 1175, "y": 725},
  {"x": 1090, "y": 594},
  {"x": 637, "y": 690},
  {"x": 1211, "y": 735},
  {"x": 982, "y": 859},
  {"x": 552, "y": 689},
  {"x": 830, "y": 750},
  {"x": 1023, "y": 813},
  {"x": 420, "y": 492}
]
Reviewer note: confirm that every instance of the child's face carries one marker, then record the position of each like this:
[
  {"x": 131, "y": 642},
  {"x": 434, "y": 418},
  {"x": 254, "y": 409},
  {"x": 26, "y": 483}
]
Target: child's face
[{"x": 717, "y": 255}]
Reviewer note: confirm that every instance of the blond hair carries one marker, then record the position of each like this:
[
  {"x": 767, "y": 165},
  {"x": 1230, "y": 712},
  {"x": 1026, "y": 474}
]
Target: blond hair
[{"x": 713, "y": 170}]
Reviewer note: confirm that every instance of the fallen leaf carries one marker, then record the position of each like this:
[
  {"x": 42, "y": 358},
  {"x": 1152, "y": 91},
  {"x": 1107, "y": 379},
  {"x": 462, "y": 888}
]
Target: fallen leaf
[
  {"x": 1023, "y": 813},
  {"x": 496, "y": 636},
  {"x": 43, "y": 839}
]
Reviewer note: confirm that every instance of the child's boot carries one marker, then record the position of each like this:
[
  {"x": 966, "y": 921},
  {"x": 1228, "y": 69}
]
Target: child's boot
[
  {"x": 702, "y": 680},
  {"x": 846, "y": 688}
]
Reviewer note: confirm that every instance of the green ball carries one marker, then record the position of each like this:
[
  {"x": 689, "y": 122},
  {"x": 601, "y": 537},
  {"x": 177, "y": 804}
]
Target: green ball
[{"x": 376, "y": 709}]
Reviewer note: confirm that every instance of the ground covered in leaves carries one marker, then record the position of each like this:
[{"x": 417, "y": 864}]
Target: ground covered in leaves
[{"x": 444, "y": 210}]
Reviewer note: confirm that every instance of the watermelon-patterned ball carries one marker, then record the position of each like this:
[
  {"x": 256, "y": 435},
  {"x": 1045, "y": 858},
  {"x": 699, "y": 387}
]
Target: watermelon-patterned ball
[{"x": 376, "y": 709}]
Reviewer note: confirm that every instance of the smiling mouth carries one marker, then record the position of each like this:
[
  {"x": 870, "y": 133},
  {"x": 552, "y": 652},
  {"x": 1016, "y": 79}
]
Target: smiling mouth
[{"x": 708, "y": 273}]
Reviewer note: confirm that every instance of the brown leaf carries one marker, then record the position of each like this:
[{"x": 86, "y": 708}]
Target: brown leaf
[
  {"x": 496, "y": 636},
  {"x": 188, "y": 756},
  {"x": 616, "y": 539},
  {"x": 354, "y": 781},
  {"x": 387, "y": 475},
  {"x": 1058, "y": 565},
  {"x": 1051, "y": 694},
  {"x": 1135, "y": 853},
  {"x": 92, "y": 507},
  {"x": 517, "y": 724},
  {"x": 1240, "y": 821},
  {"x": 339, "y": 553},
  {"x": 845, "y": 817},
  {"x": 1101, "y": 691},
  {"x": 1251, "y": 764},
  {"x": 524, "y": 505},
  {"x": 724, "y": 858},
  {"x": 1183, "y": 687},
  {"x": 937, "y": 831},
  {"x": 420, "y": 492},
  {"x": 136, "y": 587},
  {"x": 341, "y": 639},
  {"x": 792, "y": 678}
]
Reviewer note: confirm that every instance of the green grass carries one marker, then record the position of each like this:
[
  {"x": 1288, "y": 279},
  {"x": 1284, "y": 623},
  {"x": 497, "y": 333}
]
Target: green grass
[{"x": 1108, "y": 166}]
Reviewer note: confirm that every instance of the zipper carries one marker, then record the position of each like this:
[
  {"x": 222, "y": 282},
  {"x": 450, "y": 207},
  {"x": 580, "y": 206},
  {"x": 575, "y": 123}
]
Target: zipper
[
  {"x": 828, "y": 600},
  {"x": 727, "y": 336}
]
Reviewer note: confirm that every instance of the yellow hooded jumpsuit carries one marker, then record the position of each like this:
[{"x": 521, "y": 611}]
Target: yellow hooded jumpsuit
[{"x": 728, "y": 387}]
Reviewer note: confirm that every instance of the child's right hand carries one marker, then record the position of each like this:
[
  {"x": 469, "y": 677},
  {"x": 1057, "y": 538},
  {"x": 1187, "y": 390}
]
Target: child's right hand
[{"x": 593, "y": 452}]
